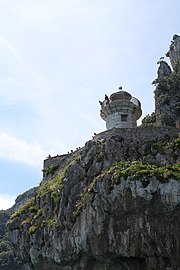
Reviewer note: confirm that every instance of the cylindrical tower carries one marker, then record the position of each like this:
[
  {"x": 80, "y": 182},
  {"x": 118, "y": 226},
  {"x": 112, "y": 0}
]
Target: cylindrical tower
[{"x": 121, "y": 110}]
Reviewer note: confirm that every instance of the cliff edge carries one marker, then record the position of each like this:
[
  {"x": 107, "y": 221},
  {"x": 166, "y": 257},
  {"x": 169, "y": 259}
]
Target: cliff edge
[{"x": 113, "y": 204}]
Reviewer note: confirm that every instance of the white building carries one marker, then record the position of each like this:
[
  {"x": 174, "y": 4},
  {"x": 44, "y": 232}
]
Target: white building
[{"x": 120, "y": 110}]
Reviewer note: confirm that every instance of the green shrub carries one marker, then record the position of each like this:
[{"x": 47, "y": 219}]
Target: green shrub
[
  {"x": 32, "y": 230},
  {"x": 51, "y": 169},
  {"x": 52, "y": 222},
  {"x": 27, "y": 207},
  {"x": 177, "y": 143},
  {"x": 138, "y": 170},
  {"x": 101, "y": 150},
  {"x": 149, "y": 120},
  {"x": 83, "y": 197},
  {"x": 52, "y": 186}
]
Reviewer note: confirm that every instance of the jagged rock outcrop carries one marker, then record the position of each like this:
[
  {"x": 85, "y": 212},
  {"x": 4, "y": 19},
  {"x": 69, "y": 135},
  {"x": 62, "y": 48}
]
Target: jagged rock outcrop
[
  {"x": 174, "y": 51},
  {"x": 114, "y": 206},
  {"x": 167, "y": 99},
  {"x": 164, "y": 69},
  {"x": 167, "y": 92},
  {"x": 9, "y": 260}
]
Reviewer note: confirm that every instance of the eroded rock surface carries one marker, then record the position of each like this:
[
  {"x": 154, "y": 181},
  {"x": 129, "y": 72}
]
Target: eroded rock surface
[
  {"x": 9, "y": 259},
  {"x": 114, "y": 206}
]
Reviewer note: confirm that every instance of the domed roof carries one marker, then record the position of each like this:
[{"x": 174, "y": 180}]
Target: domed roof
[{"x": 120, "y": 95}]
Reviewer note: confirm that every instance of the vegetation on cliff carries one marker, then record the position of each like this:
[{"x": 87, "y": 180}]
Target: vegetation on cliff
[
  {"x": 33, "y": 213},
  {"x": 167, "y": 98},
  {"x": 96, "y": 171},
  {"x": 149, "y": 120}
]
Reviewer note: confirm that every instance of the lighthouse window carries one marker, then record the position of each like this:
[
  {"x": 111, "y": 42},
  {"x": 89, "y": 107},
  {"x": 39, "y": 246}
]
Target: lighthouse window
[{"x": 124, "y": 117}]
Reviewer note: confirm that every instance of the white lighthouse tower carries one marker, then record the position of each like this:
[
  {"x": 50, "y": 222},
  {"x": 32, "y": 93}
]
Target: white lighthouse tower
[{"x": 120, "y": 110}]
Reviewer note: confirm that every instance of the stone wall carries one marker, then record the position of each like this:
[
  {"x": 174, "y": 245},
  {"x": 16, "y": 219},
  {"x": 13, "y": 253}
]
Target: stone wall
[
  {"x": 140, "y": 134},
  {"x": 131, "y": 137},
  {"x": 53, "y": 161},
  {"x": 52, "y": 165}
]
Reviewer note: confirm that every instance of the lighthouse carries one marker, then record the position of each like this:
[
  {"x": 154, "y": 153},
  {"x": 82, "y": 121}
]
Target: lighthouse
[{"x": 120, "y": 110}]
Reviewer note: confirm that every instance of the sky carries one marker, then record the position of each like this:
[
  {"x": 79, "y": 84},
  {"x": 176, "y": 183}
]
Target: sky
[{"x": 58, "y": 58}]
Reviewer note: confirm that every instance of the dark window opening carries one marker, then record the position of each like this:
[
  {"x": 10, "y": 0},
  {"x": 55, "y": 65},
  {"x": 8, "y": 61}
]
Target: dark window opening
[{"x": 124, "y": 117}]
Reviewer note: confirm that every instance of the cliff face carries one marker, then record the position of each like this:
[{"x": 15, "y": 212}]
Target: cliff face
[
  {"x": 114, "y": 204},
  {"x": 167, "y": 92},
  {"x": 9, "y": 259},
  {"x": 167, "y": 99}
]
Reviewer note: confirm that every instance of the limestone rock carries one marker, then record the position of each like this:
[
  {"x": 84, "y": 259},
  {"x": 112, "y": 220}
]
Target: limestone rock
[
  {"x": 174, "y": 51},
  {"x": 9, "y": 260},
  {"x": 105, "y": 215},
  {"x": 164, "y": 69}
]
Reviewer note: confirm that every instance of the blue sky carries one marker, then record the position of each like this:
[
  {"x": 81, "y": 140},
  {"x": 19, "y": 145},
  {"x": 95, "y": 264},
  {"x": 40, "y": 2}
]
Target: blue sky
[{"x": 57, "y": 60}]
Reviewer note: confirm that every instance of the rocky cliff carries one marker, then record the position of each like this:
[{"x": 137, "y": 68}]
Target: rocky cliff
[
  {"x": 167, "y": 97},
  {"x": 167, "y": 91},
  {"x": 9, "y": 259},
  {"x": 113, "y": 204}
]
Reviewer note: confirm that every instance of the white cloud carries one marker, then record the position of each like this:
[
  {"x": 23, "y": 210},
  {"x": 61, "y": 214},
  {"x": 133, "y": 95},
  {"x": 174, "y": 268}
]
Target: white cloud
[
  {"x": 39, "y": 12},
  {"x": 90, "y": 119},
  {"x": 6, "y": 201},
  {"x": 20, "y": 150},
  {"x": 7, "y": 45}
]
